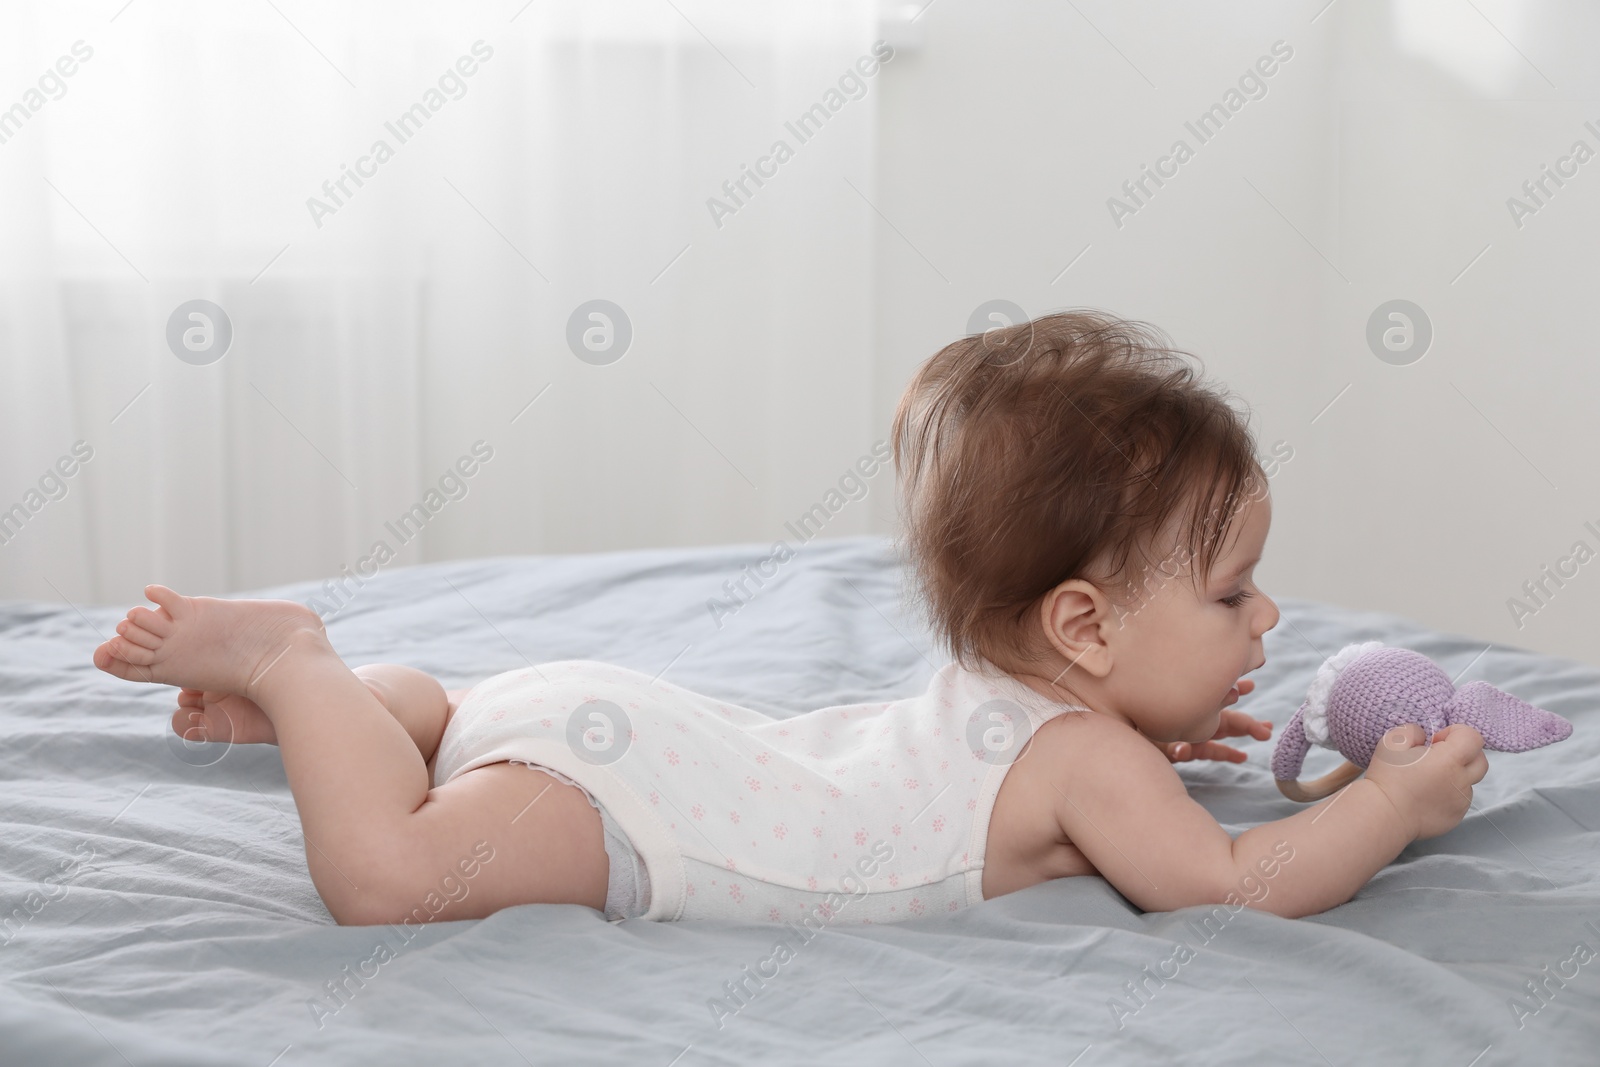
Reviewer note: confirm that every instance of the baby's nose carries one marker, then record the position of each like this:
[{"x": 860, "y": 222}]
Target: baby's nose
[{"x": 1272, "y": 614}]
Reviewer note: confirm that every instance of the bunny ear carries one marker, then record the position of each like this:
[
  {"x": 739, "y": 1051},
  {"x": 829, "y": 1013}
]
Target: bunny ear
[
  {"x": 1506, "y": 723},
  {"x": 1290, "y": 753}
]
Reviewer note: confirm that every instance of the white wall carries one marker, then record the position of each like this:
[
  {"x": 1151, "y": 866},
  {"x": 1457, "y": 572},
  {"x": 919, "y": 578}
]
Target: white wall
[
  {"x": 1391, "y": 142},
  {"x": 372, "y": 348},
  {"x": 1376, "y": 167}
]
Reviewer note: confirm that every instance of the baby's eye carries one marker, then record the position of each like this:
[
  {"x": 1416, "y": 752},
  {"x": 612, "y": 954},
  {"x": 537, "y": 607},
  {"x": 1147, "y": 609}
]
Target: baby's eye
[{"x": 1238, "y": 598}]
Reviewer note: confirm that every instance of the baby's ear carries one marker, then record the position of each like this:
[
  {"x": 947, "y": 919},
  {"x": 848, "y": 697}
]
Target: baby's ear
[
  {"x": 1076, "y": 618},
  {"x": 1506, "y": 723}
]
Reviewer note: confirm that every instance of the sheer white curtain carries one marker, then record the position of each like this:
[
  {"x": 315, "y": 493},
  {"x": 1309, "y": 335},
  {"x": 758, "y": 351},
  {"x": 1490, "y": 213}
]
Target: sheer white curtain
[{"x": 537, "y": 157}]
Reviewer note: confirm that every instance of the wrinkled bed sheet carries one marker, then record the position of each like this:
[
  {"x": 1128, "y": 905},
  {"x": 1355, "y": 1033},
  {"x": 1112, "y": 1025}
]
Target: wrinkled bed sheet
[{"x": 157, "y": 908}]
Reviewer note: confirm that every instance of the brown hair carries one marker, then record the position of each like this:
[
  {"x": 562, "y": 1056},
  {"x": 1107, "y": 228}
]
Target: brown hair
[{"x": 1050, "y": 450}]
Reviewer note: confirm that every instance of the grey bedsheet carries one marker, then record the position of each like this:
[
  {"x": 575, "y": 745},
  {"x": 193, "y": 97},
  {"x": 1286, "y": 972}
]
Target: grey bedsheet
[{"x": 183, "y": 927}]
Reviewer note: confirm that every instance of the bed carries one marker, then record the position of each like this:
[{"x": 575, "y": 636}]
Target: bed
[{"x": 155, "y": 905}]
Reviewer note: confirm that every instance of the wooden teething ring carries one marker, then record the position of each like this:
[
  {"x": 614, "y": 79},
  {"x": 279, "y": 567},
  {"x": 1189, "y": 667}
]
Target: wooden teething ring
[{"x": 1320, "y": 788}]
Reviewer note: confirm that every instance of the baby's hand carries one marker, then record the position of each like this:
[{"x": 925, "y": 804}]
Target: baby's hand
[
  {"x": 1234, "y": 723},
  {"x": 1430, "y": 787}
]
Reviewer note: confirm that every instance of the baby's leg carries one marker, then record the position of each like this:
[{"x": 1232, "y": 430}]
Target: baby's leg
[
  {"x": 380, "y": 843},
  {"x": 414, "y": 698}
]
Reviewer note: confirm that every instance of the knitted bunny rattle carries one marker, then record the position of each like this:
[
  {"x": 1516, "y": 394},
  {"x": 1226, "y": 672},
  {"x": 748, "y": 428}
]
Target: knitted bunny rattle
[{"x": 1364, "y": 690}]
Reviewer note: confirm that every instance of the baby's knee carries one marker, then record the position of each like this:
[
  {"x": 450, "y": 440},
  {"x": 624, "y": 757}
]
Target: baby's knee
[{"x": 395, "y": 685}]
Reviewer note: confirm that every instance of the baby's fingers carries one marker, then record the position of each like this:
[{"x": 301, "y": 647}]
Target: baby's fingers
[
  {"x": 1401, "y": 745},
  {"x": 1183, "y": 752},
  {"x": 1238, "y": 724},
  {"x": 1222, "y": 753},
  {"x": 1461, "y": 740}
]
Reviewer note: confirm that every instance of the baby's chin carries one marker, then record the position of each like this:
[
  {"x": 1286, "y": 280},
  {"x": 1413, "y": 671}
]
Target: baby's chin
[
  {"x": 1204, "y": 730},
  {"x": 1194, "y": 735},
  {"x": 1197, "y": 731}
]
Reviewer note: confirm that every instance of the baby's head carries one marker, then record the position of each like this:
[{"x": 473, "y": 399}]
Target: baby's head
[{"x": 1084, "y": 514}]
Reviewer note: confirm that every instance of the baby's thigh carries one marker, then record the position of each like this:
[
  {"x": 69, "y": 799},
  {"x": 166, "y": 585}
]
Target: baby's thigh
[{"x": 525, "y": 838}]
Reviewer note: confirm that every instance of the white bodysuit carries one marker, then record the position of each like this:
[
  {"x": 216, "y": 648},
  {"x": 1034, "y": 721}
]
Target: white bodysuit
[{"x": 874, "y": 812}]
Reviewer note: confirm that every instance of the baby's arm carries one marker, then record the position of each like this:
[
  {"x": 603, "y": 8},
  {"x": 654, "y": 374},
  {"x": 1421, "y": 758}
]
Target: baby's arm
[{"x": 1124, "y": 806}]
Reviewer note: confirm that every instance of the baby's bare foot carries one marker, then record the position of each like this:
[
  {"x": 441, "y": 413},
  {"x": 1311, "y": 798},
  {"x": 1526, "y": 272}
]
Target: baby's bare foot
[
  {"x": 222, "y": 646},
  {"x": 225, "y": 717}
]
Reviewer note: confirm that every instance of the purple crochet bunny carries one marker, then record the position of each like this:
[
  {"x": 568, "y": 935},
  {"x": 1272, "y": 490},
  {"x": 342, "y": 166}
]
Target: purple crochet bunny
[{"x": 1367, "y": 689}]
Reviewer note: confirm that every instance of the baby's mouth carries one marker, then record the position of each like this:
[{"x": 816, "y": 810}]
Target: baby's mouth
[{"x": 1233, "y": 695}]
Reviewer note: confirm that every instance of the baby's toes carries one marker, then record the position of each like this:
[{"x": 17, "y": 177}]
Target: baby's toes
[
  {"x": 173, "y": 605},
  {"x": 189, "y": 723},
  {"x": 222, "y": 718},
  {"x": 112, "y": 662},
  {"x": 156, "y": 622},
  {"x": 123, "y": 649},
  {"x": 191, "y": 698},
  {"x": 138, "y": 635}
]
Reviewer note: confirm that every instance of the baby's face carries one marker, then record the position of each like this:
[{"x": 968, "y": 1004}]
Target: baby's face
[{"x": 1178, "y": 653}]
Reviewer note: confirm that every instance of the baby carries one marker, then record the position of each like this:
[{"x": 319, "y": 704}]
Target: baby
[{"x": 1084, "y": 519}]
